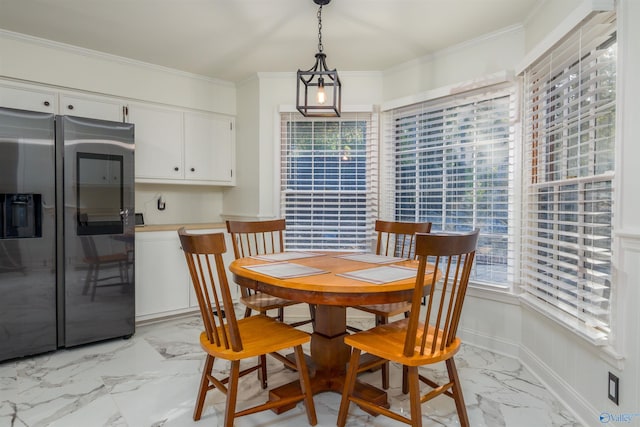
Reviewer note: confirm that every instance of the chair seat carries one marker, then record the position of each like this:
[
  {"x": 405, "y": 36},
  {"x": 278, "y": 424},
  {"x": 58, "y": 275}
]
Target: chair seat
[
  {"x": 388, "y": 310},
  {"x": 260, "y": 335},
  {"x": 262, "y": 302},
  {"x": 387, "y": 341}
]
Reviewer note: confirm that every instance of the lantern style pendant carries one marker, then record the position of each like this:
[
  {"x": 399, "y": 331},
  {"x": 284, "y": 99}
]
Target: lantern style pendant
[{"x": 319, "y": 91}]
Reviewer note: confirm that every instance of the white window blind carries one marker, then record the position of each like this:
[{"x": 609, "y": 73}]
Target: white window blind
[
  {"x": 568, "y": 177},
  {"x": 451, "y": 161},
  {"x": 329, "y": 180}
]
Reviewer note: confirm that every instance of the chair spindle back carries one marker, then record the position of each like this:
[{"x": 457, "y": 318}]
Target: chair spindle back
[
  {"x": 452, "y": 255},
  {"x": 398, "y": 238},
  {"x": 256, "y": 237},
  {"x": 203, "y": 253}
]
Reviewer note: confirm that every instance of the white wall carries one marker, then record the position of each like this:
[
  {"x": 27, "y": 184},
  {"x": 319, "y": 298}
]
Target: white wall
[
  {"x": 256, "y": 193},
  {"x": 37, "y": 60},
  {"x": 575, "y": 370},
  {"x": 59, "y": 66},
  {"x": 242, "y": 201},
  {"x": 545, "y": 19},
  {"x": 467, "y": 62},
  {"x": 190, "y": 204}
]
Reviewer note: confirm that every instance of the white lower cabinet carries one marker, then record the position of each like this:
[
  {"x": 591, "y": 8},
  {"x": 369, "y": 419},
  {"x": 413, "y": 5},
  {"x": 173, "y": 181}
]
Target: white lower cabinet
[
  {"x": 162, "y": 278},
  {"x": 163, "y": 285}
]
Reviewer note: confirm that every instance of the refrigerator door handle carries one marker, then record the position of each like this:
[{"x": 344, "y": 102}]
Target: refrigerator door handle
[{"x": 124, "y": 215}]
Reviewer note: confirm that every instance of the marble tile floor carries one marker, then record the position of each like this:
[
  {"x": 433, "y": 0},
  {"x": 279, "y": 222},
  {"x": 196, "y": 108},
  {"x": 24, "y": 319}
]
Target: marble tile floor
[{"x": 152, "y": 379}]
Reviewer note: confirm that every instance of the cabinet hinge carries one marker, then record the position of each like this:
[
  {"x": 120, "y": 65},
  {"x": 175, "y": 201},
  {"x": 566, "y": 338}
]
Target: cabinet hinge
[{"x": 231, "y": 126}]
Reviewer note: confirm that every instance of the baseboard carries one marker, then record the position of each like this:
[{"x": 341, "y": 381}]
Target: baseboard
[
  {"x": 175, "y": 314},
  {"x": 586, "y": 414},
  {"x": 491, "y": 343},
  {"x": 560, "y": 389}
]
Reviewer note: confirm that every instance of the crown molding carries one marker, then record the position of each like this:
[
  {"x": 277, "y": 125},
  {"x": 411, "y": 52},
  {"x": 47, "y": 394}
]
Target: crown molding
[{"x": 25, "y": 38}]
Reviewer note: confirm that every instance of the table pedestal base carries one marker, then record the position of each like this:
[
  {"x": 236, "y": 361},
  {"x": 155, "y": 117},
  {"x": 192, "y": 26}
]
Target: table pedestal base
[
  {"x": 318, "y": 385},
  {"x": 329, "y": 359}
]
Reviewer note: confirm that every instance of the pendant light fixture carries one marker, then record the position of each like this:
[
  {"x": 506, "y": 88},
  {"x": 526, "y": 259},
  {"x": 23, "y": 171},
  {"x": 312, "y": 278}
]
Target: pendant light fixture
[{"x": 319, "y": 91}]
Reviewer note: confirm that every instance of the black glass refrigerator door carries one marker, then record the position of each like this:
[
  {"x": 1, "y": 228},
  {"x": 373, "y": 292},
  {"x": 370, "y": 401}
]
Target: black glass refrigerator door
[
  {"x": 99, "y": 297},
  {"x": 27, "y": 234}
]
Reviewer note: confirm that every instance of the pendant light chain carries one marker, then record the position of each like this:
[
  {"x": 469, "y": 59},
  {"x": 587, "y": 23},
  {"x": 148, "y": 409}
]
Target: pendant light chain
[
  {"x": 318, "y": 89},
  {"x": 320, "y": 29}
]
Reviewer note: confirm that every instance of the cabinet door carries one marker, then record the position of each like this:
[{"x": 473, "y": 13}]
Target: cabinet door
[
  {"x": 209, "y": 148},
  {"x": 159, "y": 142},
  {"x": 162, "y": 277},
  {"x": 27, "y": 99},
  {"x": 91, "y": 107}
]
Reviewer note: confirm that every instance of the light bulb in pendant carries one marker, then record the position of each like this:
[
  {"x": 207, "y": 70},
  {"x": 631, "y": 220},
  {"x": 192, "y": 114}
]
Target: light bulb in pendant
[{"x": 322, "y": 97}]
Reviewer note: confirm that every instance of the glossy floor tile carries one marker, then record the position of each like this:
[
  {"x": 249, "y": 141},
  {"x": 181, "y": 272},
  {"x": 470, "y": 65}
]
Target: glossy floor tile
[{"x": 152, "y": 379}]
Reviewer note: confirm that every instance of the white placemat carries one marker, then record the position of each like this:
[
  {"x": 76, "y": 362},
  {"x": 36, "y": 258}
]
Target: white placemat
[
  {"x": 285, "y": 270},
  {"x": 285, "y": 256},
  {"x": 372, "y": 258},
  {"x": 380, "y": 275}
]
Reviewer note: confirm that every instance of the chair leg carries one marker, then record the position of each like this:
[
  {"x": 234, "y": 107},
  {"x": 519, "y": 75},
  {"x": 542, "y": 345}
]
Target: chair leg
[
  {"x": 204, "y": 386},
  {"x": 383, "y": 320},
  {"x": 232, "y": 394},
  {"x": 457, "y": 392},
  {"x": 414, "y": 396},
  {"x": 405, "y": 383},
  {"x": 349, "y": 385},
  {"x": 305, "y": 385},
  {"x": 247, "y": 312},
  {"x": 262, "y": 372},
  {"x": 280, "y": 314}
]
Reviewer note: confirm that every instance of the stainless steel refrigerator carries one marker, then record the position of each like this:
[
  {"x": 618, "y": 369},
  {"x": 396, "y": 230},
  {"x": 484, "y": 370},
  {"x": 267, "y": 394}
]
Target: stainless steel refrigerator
[{"x": 66, "y": 231}]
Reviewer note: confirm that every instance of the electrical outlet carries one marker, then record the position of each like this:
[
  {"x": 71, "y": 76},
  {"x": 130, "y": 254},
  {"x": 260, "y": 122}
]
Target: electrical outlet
[{"x": 613, "y": 388}]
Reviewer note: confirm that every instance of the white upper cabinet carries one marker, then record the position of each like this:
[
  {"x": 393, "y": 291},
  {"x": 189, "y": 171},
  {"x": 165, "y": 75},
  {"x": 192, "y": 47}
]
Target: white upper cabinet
[
  {"x": 209, "y": 148},
  {"x": 92, "y": 107},
  {"x": 173, "y": 145},
  {"x": 28, "y": 99},
  {"x": 159, "y": 142},
  {"x": 182, "y": 147}
]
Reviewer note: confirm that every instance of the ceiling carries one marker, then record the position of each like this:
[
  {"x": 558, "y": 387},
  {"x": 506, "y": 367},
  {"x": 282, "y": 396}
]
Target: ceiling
[{"x": 233, "y": 39}]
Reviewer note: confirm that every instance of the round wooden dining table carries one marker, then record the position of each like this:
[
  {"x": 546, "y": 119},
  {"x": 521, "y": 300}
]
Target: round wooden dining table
[{"x": 331, "y": 293}]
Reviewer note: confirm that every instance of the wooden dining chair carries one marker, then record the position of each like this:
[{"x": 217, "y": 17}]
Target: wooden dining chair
[
  {"x": 251, "y": 238},
  {"x": 225, "y": 337},
  {"x": 395, "y": 239},
  {"x": 425, "y": 337}
]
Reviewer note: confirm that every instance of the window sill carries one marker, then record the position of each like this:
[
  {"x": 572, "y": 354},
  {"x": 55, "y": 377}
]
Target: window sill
[
  {"x": 504, "y": 295},
  {"x": 494, "y": 293},
  {"x": 597, "y": 342}
]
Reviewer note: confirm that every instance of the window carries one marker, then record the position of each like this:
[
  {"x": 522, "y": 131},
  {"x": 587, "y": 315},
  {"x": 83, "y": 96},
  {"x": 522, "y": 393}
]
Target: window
[
  {"x": 329, "y": 181},
  {"x": 568, "y": 178},
  {"x": 450, "y": 161}
]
